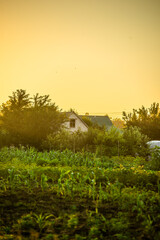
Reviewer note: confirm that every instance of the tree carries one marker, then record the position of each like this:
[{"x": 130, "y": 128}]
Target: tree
[
  {"x": 118, "y": 123},
  {"x": 12, "y": 113},
  {"x": 91, "y": 124},
  {"x": 19, "y": 100},
  {"x": 147, "y": 120},
  {"x": 134, "y": 142},
  {"x": 87, "y": 121},
  {"x": 28, "y": 120},
  {"x": 41, "y": 101}
]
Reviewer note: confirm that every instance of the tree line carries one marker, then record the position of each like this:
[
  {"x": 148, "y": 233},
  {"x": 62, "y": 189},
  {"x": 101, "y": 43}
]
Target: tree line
[
  {"x": 146, "y": 119},
  {"x": 38, "y": 122}
]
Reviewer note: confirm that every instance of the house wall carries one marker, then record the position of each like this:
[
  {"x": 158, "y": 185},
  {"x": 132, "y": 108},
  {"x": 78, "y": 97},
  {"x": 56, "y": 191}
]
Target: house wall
[{"x": 78, "y": 124}]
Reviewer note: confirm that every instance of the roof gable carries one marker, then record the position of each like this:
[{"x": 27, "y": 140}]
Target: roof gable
[{"x": 68, "y": 114}]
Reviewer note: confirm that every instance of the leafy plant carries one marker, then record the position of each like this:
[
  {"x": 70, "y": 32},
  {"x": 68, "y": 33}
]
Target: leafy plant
[
  {"x": 44, "y": 182},
  {"x": 41, "y": 220},
  {"x": 154, "y": 163}
]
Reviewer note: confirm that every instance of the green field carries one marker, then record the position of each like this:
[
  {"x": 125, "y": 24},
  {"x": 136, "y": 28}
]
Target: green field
[{"x": 65, "y": 195}]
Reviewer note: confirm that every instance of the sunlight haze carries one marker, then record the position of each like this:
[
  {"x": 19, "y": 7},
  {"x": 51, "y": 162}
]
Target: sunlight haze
[{"x": 96, "y": 56}]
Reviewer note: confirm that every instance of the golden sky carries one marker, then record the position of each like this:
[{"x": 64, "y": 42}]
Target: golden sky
[{"x": 96, "y": 56}]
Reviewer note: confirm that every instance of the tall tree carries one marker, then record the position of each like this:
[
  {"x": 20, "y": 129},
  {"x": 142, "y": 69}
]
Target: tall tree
[
  {"x": 19, "y": 100},
  {"x": 147, "y": 119},
  {"x": 41, "y": 101},
  {"x": 28, "y": 120},
  {"x": 12, "y": 113}
]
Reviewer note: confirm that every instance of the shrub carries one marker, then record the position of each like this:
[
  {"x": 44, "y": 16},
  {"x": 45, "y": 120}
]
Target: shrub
[
  {"x": 65, "y": 140},
  {"x": 154, "y": 164},
  {"x": 112, "y": 142},
  {"x": 135, "y": 143}
]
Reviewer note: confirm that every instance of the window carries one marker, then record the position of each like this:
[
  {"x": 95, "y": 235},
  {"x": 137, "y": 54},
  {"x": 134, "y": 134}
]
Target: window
[{"x": 72, "y": 123}]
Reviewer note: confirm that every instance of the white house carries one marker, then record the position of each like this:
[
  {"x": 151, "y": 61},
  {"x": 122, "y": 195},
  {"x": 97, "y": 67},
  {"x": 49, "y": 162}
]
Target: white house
[{"x": 75, "y": 123}]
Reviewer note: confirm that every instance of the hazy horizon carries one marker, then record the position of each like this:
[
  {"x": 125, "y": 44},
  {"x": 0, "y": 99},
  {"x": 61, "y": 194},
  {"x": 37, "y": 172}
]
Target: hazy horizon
[{"x": 99, "y": 56}]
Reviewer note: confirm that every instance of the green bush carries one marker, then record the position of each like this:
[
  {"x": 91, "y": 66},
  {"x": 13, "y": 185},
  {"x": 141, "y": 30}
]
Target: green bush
[
  {"x": 65, "y": 140},
  {"x": 154, "y": 163},
  {"x": 134, "y": 142},
  {"x": 112, "y": 142}
]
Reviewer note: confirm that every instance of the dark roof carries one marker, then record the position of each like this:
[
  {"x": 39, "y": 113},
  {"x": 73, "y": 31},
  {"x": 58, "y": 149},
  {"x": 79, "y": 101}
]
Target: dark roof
[{"x": 100, "y": 120}]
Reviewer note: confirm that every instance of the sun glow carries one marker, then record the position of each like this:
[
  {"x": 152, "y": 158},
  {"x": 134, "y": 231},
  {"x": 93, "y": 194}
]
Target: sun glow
[{"x": 95, "y": 56}]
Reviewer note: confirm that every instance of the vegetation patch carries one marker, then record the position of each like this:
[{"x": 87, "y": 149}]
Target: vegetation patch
[{"x": 80, "y": 196}]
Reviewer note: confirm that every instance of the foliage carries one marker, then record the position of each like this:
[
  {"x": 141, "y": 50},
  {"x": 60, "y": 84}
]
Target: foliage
[
  {"x": 94, "y": 140},
  {"x": 65, "y": 140},
  {"x": 82, "y": 196},
  {"x": 155, "y": 159},
  {"x": 87, "y": 121},
  {"x": 118, "y": 122},
  {"x": 147, "y": 119},
  {"x": 91, "y": 124},
  {"x": 135, "y": 143},
  {"x": 111, "y": 142},
  {"x": 37, "y": 122},
  {"x": 28, "y": 121}
]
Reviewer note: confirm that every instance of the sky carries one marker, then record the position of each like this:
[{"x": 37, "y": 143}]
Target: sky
[{"x": 95, "y": 56}]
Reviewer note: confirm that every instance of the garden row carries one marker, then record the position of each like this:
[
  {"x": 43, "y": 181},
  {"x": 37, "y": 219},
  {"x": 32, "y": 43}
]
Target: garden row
[{"x": 62, "y": 195}]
